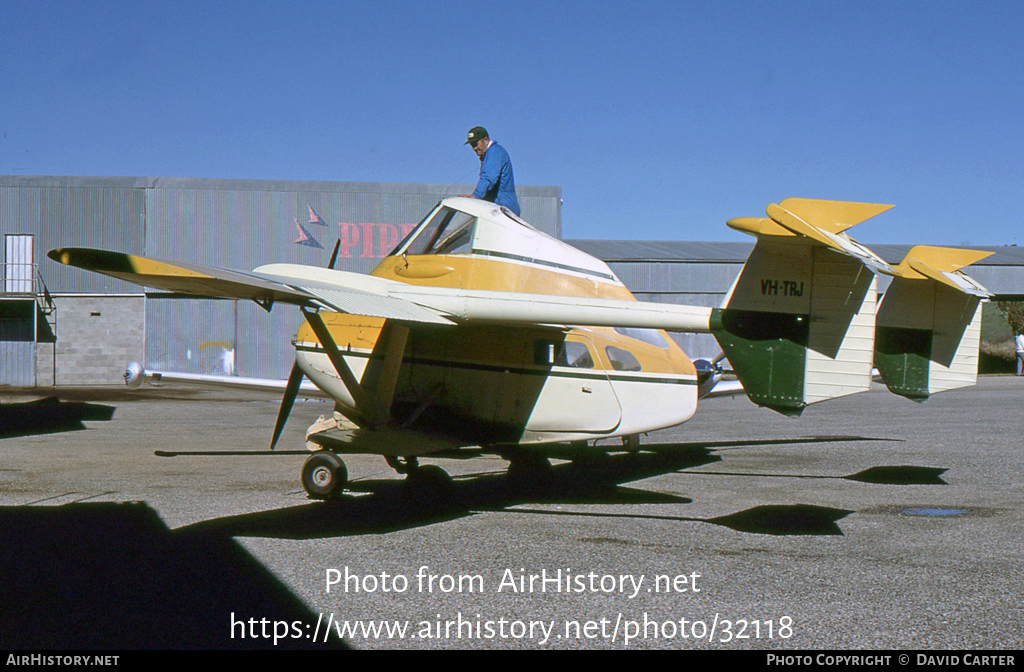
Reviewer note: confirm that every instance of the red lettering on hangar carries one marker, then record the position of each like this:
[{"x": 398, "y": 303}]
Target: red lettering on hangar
[{"x": 370, "y": 239}]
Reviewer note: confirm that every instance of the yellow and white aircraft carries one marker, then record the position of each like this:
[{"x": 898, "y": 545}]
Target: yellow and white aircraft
[{"x": 479, "y": 331}]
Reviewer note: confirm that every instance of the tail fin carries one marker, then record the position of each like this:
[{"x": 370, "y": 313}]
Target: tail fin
[
  {"x": 799, "y": 324},
  {"x": 928, "y": 327}
]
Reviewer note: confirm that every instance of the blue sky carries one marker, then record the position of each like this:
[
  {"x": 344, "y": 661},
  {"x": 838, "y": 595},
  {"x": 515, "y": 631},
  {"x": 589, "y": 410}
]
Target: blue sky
[{"x": 659, "y": 120}]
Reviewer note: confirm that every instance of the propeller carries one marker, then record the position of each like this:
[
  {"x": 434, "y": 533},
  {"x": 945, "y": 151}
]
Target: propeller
[
  {"x": 334, "y": 255},
  {"x": 291, "y": 390}
]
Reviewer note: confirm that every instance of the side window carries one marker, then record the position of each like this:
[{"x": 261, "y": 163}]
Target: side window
[
  {"x": 622, "y": 360},
  {"x": 562, "y": 353},
  {"x": 646, "y": 335},
  {"x": 578, "y": 355}
]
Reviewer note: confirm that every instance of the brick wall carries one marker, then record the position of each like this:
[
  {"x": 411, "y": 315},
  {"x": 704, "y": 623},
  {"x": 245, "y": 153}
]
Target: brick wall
[{"x": 96, "y": 338}]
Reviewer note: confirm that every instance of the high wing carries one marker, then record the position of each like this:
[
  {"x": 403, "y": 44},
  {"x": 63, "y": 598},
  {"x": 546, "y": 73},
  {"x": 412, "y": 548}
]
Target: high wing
[
  {"x": 360, "y": 294},
  {"x": 339, "y": 290}
]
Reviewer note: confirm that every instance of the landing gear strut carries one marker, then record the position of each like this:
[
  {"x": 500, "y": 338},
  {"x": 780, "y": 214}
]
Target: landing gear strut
[{"x": 324, "y": 475}]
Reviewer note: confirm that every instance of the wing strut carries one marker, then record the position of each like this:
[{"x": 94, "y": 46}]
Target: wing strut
[
  {"x": 376, "y": 412},
  {"x": 389, "y": 348},
  {"x": 363, "y": 404}
]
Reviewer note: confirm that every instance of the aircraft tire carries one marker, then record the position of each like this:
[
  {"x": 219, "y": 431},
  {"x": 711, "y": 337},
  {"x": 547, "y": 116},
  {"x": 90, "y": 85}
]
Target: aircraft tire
[{"x": 324, "y": 475}]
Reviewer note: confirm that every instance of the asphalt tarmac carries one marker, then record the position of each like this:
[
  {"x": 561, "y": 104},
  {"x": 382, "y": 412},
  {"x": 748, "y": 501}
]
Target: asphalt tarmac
[{"x": 872, "y": 522}]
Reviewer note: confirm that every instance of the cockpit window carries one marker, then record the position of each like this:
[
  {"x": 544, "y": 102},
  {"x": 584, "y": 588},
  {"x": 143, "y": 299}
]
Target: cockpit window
[
  {"x": 446, "y": 232},
  {"x": 651, "y": 336}
]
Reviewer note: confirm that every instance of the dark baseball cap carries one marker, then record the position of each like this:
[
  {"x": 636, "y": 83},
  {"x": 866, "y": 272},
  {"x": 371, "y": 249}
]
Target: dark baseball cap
[{"x": 476, "y": 134}]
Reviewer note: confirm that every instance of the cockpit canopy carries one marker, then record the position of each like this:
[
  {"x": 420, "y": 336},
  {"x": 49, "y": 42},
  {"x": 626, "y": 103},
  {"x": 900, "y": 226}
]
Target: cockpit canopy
[
  {"x": 479, "y": 228},
  {"x": 444, "y": 231}
]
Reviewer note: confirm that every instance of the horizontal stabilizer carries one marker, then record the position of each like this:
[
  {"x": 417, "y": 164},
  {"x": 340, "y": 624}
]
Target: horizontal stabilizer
[
  {"x": 943, "y": 265},
  {"x": 832, "y": 216},
  {"x": 822, "y": 222}
]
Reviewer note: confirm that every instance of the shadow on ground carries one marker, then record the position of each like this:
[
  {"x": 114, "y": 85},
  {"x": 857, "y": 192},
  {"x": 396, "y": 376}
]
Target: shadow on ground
[
  {"x": 113, "y": 576},
  {"x": 381, "y": 506},
  {"x": 49, "y": 416}
]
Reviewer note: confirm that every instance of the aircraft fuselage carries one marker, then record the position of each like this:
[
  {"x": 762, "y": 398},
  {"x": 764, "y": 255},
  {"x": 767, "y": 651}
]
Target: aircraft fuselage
[{"x": 499, "y": 384}]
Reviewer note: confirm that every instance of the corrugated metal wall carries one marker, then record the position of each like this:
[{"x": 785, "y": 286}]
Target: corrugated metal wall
[
  {"x": 238, "y": 224},
  {"x": 17, "y": 363},
  {"x": 17, "y": 342},
  {"x": 242, "y": 224},
  {"x": 108, "y": 214},
  {"x": 231, "y": 223}
]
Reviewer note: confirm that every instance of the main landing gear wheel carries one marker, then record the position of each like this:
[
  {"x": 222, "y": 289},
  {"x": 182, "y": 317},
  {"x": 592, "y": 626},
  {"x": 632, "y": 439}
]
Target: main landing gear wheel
[{"x": 324, "y": 475}]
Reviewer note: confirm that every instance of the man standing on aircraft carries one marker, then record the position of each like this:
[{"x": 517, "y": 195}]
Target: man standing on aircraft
[
  {"x": 496, "y": 182},
  {"x": 1019, "y": 342}
]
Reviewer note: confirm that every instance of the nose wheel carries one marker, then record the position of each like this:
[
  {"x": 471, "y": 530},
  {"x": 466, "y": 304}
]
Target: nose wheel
[{"x": 324, "y": 475}]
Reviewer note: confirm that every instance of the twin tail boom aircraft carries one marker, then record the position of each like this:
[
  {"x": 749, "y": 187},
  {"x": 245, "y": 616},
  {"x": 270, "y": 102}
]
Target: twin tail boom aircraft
[{"x": 479, "y": 332}]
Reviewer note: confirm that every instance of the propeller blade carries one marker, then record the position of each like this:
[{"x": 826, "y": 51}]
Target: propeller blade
[
  {"x": 334, "y": 255},
  {"x": 290, "y": 392}
]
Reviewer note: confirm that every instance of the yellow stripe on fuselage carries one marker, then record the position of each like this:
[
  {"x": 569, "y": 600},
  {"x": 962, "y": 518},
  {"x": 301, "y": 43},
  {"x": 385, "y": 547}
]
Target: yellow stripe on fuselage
[
  {"x": 463, "y": 271},
  {"x": 503, "y": 346}
]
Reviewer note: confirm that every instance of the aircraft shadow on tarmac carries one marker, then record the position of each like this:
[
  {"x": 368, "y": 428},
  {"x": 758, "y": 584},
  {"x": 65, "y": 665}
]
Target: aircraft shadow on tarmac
[
  {"x": 114, "y": 576},
  {"x": 381, "y": 506},
  {"x": 48, "y": 416}
]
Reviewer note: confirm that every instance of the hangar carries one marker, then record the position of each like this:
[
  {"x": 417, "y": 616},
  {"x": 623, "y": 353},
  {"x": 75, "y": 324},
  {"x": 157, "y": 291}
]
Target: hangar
[{"x": 62, "y": 326}]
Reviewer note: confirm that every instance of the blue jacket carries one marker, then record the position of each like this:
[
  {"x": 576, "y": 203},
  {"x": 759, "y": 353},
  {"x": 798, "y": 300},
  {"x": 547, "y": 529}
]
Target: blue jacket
[{"x": 496, "y": 182}]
